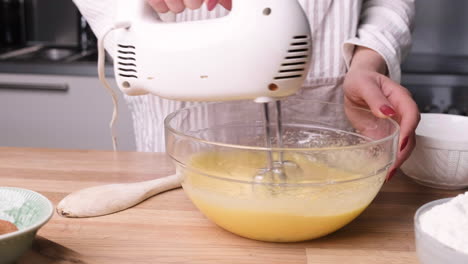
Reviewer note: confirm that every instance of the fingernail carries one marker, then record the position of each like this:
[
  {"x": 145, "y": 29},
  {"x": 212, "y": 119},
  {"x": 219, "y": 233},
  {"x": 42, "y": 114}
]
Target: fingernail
[
  {"x": 211, "y": 4},
  {"x": 404, "y": 143},
  {"x": 387, "y": 110},
  {"x": 391, "y": 174}
]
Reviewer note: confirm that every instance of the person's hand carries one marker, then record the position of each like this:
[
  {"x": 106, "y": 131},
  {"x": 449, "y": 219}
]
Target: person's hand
[
  {"x": 177, "y": 6},
  {"x": 366, "y": 86}
]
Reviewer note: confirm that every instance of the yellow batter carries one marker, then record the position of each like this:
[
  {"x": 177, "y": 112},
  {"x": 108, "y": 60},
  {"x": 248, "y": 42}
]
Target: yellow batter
[{"x": 276, "y": 213}]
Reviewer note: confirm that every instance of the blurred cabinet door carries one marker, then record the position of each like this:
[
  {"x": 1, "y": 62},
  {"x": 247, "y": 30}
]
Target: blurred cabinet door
[{"x": 50, "y": 111}]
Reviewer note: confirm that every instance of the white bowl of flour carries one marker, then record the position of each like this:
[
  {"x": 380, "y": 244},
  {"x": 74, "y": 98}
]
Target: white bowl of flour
[
  {"x": 441, "y": 229},
  {"x": 440, "y": 158}
]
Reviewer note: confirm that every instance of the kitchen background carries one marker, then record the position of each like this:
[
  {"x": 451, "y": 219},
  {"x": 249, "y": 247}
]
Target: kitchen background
[{"x": 50, "y": 95}]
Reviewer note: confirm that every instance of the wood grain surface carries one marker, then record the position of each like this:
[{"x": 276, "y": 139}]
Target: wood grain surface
[{"x": 169, "y": 229}]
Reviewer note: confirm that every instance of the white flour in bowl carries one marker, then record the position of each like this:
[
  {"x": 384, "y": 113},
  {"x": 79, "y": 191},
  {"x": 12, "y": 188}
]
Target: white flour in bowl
[
  {"x": 9, "y": 200},
  {"x": 448, "y": 223}
]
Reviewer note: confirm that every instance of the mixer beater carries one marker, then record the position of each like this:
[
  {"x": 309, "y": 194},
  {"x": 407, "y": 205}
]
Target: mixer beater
[
  {"x": 273, "y": 169},
  {"x": 277, "y": 170}
]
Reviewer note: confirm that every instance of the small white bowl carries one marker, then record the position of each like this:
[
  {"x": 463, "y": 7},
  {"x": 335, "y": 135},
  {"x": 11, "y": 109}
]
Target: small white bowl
[
  {"x": 430, "y": 250},
  {"x": 440, "y": 159}
]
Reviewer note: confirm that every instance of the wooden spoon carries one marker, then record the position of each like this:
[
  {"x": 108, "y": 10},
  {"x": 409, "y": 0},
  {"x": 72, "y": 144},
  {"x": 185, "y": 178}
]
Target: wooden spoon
[{"x": 108, "y": 199}]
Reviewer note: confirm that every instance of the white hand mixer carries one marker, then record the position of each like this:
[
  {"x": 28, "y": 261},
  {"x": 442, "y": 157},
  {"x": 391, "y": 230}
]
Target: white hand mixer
[{"x": 261, "y": 51}]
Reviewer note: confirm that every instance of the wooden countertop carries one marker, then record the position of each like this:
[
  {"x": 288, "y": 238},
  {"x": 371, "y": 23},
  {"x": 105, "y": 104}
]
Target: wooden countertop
[{"x": 169, "y": 229}]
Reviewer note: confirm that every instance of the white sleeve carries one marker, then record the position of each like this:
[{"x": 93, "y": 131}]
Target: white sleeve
[
  {"x": 100, "y": 16},
  {"x": 385, "y": 26}
]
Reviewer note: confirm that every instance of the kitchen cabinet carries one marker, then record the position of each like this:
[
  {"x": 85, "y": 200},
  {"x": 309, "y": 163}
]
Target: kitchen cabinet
[{"x": 52, "y": 111}]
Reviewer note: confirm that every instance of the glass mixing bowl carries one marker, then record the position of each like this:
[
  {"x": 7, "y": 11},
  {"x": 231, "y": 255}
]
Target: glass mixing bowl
[{"x": 336, "y": 158}]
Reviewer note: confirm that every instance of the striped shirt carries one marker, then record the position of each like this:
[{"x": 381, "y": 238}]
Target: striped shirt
[{"x": 337, "y": 27}]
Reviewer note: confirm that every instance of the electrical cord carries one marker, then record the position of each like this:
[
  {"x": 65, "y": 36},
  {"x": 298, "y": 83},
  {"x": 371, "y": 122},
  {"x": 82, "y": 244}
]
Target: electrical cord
[{"x": 102, "y": 77}]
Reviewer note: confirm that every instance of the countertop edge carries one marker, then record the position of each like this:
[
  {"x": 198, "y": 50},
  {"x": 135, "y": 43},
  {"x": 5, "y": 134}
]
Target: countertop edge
[{"x": 73, "y": 69}]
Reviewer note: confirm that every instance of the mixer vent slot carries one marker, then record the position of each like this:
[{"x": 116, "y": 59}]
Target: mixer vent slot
[
  {"x": 292, "y": 70},
  {"x": 298, "y": 50},
  {"x": 296, "y": 57},
  {"x": 126, "y": 46},
  {"x": 126, "y": 61},
  {"x": 294, "y": 63},
  {"x": 300, "y": 37},
  {"x": 288, "y": 77},
  {"x": 299, "y": 43}
]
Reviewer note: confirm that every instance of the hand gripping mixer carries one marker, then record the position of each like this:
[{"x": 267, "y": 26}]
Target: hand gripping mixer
[{"x": 261, "y": 51}]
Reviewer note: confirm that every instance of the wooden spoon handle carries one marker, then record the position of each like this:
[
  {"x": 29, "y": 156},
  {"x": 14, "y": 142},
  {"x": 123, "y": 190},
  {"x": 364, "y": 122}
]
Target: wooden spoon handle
[{"x": 108, "y": 199}]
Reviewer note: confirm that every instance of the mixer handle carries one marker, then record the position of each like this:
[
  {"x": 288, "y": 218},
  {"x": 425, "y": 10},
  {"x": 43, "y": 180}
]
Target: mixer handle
[
  {"x": 168, "y": 17},
  {"x": 135, "y": 10},
  {"x": 140, "y": 10}
]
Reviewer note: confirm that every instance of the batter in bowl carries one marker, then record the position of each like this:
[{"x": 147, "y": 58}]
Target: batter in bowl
[{"x": 310, "y": 204}]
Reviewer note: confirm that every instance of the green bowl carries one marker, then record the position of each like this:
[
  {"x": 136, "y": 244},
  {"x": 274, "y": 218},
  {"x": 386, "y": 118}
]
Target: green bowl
[{"x": 29, "y": 211}]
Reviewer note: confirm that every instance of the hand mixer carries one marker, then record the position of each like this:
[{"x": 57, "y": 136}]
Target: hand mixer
[{"x": 261, "y": 51}]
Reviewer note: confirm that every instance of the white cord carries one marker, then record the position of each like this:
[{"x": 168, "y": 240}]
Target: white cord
[{"x": 102, "y": 77}]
